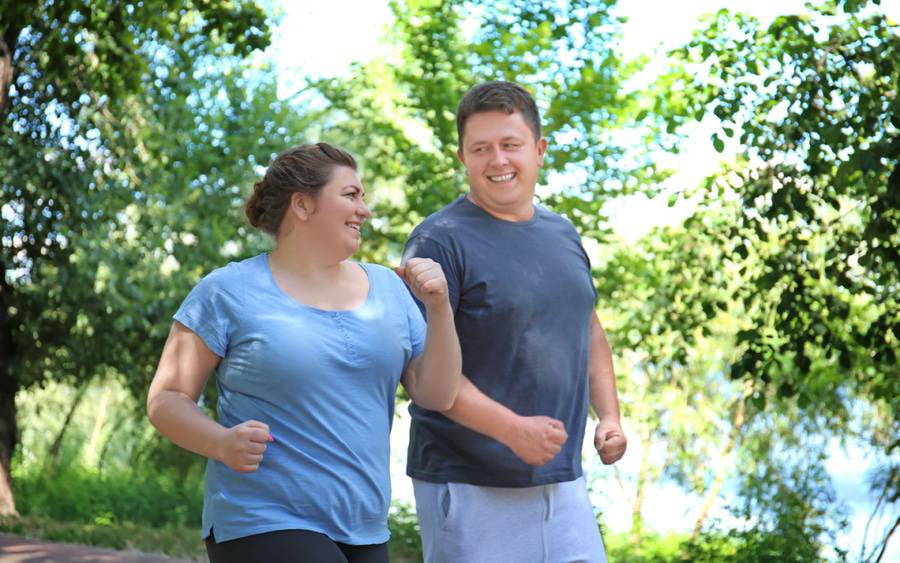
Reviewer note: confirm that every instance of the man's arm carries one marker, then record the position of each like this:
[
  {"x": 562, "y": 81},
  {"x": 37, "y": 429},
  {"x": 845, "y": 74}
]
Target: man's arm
[
  {"x": 535, "y": 439},
  {"x": 609, "y": 439}
]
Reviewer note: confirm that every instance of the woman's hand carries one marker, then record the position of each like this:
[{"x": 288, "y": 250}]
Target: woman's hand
[
  {"x": 242, "y": 447},
  {"x": 425, "y": 279}
]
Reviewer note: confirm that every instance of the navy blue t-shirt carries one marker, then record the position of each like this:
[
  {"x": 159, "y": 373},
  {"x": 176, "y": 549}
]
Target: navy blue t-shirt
[{"x": 523, "y": 296}]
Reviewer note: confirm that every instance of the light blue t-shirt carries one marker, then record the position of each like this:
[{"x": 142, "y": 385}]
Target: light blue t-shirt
[{"x": 324, "y": 382}]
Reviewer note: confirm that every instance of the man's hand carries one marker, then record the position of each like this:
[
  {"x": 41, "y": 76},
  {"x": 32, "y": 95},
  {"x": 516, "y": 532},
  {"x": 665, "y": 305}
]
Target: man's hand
[
  {"x": 609, "y": 439},
  {"x": 242, "y": 447},
  {"x": 536, "y": 439},
  {"x": 425, "y": 279}
]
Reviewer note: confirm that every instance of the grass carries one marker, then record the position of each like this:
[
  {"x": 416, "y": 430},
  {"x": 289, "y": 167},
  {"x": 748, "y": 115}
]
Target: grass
[{"x": 152, "y": 513}]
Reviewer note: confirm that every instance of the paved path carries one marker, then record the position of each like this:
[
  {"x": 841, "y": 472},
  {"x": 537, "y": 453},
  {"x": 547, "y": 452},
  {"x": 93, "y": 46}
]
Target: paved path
[{"x": 16, "y": 549}]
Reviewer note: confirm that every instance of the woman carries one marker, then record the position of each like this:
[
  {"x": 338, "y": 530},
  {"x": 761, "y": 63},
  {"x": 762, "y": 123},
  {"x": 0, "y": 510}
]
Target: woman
[{"x": 308, "y": 347}]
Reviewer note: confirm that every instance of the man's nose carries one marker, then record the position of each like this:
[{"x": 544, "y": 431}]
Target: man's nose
[{"x": 499, "y": 157}]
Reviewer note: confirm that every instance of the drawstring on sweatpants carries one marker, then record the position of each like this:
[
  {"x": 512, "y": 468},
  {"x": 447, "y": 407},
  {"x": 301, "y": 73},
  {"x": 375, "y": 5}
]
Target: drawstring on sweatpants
[{"x": 548, "y": 502}]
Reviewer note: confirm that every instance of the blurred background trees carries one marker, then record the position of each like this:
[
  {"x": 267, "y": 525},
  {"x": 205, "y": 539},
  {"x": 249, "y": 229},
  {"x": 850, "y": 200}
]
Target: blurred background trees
[{"x": 752, "y": 339}]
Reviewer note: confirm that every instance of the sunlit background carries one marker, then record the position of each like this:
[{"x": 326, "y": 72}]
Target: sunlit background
[{"x": 117, "y": 199}]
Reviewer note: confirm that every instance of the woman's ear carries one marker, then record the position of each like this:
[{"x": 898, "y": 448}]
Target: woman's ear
[{"x": 301, "y": 206}]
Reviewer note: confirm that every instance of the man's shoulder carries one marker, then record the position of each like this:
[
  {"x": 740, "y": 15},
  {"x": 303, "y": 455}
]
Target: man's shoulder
[
  {"x": 555, "y": 221},
  {"x": 443, "y": 222},
  {"x": 552, "y": 216}
]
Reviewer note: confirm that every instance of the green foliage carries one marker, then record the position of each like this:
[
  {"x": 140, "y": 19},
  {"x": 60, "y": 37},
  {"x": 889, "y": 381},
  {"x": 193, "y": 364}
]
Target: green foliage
[
  {"x": 813, "y": 99},
  {"x": 125, "y": 169},
  {"x": 82, "y": 290},
  {"x": 112, "y": 197},
  {"x": 100, "y": 43},
  {"x": 78, "y": 495},
  {"x": 656, "y": 548},
  {"x": 405, "y": 544},
  {"x": 399, "y": 115}
]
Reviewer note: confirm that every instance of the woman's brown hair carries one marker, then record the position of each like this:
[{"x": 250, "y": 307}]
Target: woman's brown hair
[{"x": 303, "y": 169}]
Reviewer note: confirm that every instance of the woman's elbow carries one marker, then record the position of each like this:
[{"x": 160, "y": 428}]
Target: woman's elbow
[
  {"x": 443, "y": 401},
  {"x": 156, "y": 405},
  {"x": 153, "y": 408}
]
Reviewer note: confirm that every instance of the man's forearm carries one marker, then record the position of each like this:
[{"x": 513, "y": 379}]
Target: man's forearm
[
  {"x": 476, "y": 411},
  {"x": 601, "y": 375}
]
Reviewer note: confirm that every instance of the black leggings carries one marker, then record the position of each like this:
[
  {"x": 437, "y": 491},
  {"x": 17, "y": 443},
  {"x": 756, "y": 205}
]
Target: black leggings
[{"x": 292, "y": 546}]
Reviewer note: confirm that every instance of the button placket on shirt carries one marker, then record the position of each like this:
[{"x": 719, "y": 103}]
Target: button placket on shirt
[{"x": 341, "y": 324}]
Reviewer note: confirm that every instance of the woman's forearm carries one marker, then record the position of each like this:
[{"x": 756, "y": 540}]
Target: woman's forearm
[
  {"x": 182, "y": 421},
  {"x": 437, "y": 373}
]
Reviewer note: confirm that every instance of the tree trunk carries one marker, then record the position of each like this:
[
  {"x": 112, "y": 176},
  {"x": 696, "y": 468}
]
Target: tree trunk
[
  {"x": 719, "y": 480},
  {"x": 8, "y": 388},
  {"x": 92, "y": 451},
  {"x": 8, "y": 41},
  {"x": 887, "y": 538},
  {"x": 53, "y": 453},
  {"x": 637, "y": 519}
]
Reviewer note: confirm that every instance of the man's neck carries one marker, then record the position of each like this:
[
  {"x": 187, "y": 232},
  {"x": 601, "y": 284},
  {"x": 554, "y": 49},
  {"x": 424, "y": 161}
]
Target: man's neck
[{"x": 519, "y": 214}]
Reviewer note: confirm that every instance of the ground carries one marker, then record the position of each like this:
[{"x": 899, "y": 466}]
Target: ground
[{"x": 16, "y": 549}]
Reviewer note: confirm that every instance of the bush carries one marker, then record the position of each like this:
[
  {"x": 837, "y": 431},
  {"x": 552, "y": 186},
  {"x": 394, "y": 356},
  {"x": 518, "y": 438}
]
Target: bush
[
  {"x": 79, "y": 495},
  {"x": 652, "y": 547},
  {"x": 405, "y": 545}
]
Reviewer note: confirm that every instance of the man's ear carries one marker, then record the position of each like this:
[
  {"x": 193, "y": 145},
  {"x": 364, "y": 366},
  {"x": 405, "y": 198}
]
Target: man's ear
[
  {"x": 542, "y": 149},
  {"x": 461, "y": 156}
]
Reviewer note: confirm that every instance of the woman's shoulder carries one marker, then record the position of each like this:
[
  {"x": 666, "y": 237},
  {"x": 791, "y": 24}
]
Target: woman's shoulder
[
  {"x": 234, "y": 274},
  {"x": 382, "y": 277},
  {"x": 377, "y": 270}
]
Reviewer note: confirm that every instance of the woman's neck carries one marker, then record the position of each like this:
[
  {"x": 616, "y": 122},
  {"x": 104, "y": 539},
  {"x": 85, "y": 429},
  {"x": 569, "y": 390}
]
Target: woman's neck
[{"x": 304, "y": 264}]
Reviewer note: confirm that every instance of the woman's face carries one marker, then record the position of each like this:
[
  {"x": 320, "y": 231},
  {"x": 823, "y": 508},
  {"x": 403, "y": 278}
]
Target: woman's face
[{"x": 339, "y": 211}]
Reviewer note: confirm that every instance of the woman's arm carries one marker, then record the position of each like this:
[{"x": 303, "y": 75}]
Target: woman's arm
[
  {"x": 432, "y": 379},
  {"x": 183, "y": 370}
]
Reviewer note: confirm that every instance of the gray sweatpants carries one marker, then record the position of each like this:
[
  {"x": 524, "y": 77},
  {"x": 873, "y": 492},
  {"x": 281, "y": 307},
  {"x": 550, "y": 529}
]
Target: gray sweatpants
[{"x": 463, "y": 523}]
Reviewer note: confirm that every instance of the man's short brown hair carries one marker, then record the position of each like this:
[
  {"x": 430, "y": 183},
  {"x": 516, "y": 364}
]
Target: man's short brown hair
[{"x": 498, "y": 95}]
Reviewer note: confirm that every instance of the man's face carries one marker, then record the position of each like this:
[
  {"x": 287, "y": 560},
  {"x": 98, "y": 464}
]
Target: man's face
[{"x": 502, "y": 159}]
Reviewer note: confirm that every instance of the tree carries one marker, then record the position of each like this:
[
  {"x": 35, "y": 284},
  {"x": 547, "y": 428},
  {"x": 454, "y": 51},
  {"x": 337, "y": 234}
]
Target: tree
[
  {"x": 813, "y": 99},
  {"x": 80, "y": 48},
  {"x": 673, "y": 327},
  {"x": 810, "y": 101},
  {"x": 399, "y": 114},
  {"x": 72, "y": 146}
]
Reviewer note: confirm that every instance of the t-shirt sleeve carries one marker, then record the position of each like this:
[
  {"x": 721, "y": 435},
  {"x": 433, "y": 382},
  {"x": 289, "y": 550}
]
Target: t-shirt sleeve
[
  {"x": 203, "y": 312},
  {"x": 587, "y": 261},
  {"x": 424, "y": 247},
  {"x": 416, "y": 323}
]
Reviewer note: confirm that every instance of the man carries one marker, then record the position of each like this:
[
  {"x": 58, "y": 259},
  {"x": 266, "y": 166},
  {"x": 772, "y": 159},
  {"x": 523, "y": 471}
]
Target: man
[{"x": 498, "y": 477}]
